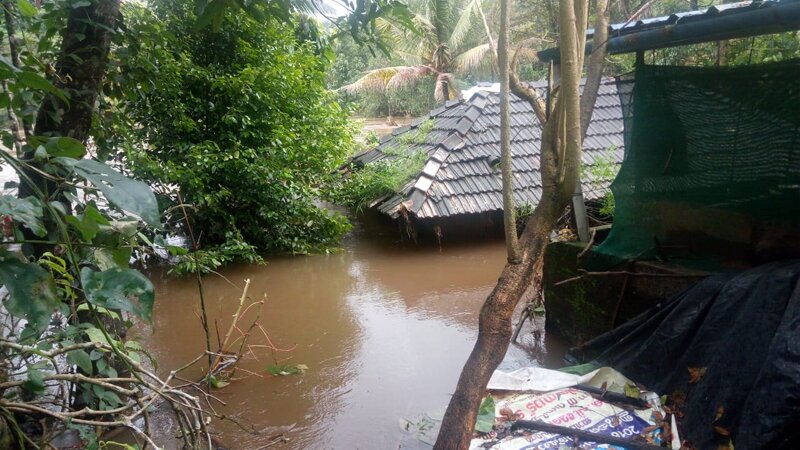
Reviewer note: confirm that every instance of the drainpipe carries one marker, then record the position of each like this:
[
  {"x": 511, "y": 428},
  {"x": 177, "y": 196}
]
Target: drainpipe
[{"x": 579, "y": 210}]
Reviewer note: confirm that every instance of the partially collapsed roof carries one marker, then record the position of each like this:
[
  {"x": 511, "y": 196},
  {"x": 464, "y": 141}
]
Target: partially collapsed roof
[{"x": 462, "y": 142}]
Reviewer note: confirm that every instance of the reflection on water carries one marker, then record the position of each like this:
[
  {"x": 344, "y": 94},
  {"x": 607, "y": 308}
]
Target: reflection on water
[{"x": 384, "y": 331}]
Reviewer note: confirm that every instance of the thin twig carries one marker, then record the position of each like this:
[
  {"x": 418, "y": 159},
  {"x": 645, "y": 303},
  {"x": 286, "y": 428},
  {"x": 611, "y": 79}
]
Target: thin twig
[{"x": 585, "y": 274}]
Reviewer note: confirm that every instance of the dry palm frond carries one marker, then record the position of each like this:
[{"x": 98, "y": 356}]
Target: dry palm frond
[
  {"x": 526, "y": 54},
  {"x": 473, "y": 58},
  {"x": 408, "y": 75},
  {"x": 373, "y": 81}
]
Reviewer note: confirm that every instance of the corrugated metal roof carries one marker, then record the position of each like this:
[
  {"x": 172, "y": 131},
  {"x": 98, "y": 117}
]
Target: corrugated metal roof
[
  {"x": 772, "y": 17},
  {"x": 462, "y": 141}
]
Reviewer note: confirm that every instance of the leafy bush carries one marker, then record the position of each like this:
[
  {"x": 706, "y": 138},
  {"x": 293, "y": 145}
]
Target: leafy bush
[
  {"x": 207, "y": 261},
  {"x": 375, "y": 180},
  {"x": 238, "y": 120}
]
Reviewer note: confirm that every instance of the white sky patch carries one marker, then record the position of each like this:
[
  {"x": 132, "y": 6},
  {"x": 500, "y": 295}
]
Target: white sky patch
[{"x": 333, "y": 8}]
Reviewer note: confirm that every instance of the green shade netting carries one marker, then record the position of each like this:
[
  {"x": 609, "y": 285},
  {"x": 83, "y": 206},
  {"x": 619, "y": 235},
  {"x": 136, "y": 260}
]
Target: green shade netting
[{"x": 712, "y": 162}]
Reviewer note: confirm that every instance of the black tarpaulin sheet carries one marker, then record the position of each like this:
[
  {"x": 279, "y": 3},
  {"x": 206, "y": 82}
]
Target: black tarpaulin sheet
[{"x": 742, "y": 329}]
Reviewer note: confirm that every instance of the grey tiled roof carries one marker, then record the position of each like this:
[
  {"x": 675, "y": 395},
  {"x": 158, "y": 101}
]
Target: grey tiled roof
[{"x": 462, "y": 142}]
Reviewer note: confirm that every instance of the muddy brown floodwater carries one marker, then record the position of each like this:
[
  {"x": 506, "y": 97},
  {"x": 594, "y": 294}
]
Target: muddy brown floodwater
[{"x": 384, "y": 330}]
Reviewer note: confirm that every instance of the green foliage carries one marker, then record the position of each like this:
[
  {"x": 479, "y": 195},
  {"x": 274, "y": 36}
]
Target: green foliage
[
  {"x": 208, "y": 261},
  {"x": 120, "y": 289},
  {"x": 364, "y": 185},
  {"x": 602, "y": 172},
  {"x": 239, "y": 120},
  {"x": 417, "y": 135},
  {"x": 608, "y": 205},
  {"x": 128, "y": 195},
  {"x": 351, "y": 62},
  {"x": 32, "y": 291},
  {"x": 28, "y": 211},
  {"x": 486, "y": 415}
]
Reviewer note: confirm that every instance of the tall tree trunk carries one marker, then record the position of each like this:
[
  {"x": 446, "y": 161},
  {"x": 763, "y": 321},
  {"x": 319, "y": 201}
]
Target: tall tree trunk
[
  {"x": 509, "y": 213},
  {"x": 19, "y": 129},
  {"x": 559, "y": 167},
  {"x": 80, "y": 70}
]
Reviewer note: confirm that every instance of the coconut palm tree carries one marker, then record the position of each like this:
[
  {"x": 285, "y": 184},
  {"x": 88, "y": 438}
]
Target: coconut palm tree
[
  {"x": 432, "y": 49},
  {"x": 443, "y": 44}
]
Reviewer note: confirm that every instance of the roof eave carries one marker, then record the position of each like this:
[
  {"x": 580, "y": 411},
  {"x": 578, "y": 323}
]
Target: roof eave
[{"x": 755, "y": 19}]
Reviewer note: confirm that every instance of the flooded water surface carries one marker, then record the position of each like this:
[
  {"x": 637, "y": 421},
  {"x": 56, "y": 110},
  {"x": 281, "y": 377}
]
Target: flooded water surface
[{"x": 384, "y": 331}]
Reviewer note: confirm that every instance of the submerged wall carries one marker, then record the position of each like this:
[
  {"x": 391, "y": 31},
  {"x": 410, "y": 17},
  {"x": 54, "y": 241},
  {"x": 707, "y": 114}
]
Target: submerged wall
[{"x": 583, "y": 309}]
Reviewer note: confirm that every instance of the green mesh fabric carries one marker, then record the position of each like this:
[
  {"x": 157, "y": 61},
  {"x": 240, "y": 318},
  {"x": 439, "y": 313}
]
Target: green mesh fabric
[{"x": 712, "y": 162}]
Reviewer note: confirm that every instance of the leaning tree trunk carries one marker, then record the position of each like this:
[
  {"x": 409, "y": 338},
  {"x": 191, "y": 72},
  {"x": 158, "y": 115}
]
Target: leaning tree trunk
[
  {"x": 80, "y": 70},
  {"x": 559, "y": 168}
]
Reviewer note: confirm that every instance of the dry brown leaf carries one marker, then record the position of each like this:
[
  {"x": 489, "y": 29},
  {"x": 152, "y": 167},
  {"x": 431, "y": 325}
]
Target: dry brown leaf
[
  {"x": 696, "y": 373},
  {"x": 508, "y": 413}
]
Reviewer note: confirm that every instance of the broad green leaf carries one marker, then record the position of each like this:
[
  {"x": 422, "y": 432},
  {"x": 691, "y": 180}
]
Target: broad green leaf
[
  {"x": 81, "y": 359},
  {"x": 631, "y": 390},
  {"x": 109, "y": 259},
  {"x": 100, "y": 310},
  {"x": 32, "y": 291},
  {"x": 88, "y": 223},
  {"x": 581, "y": 369},
  {"x": 486, "y": 415},
  {"x": 111, "y": 398},
  {"x": 25, "y": 8},
  {"x": 7, "y": 68},
  {"x": 35, "y": 81},
  {"x": 88, "y": 230},
  {"x": 212, "y": 12},
  {"x": 216, "y": 383},
  {"x": 125, "y": 193},
  {"x": 35, "y": 382},
  {"x": 95, "y": 335},
  {"x": 135, "y": 357},
  {"x": 124, "y": 289},
  {"x": 27, "y": 210},
  {"x": 176, "y": 250},
  {"x": 65, "y": 146}
]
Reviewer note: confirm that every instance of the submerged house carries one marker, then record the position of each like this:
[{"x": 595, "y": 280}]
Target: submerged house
[{"x": 460, "y": 181}]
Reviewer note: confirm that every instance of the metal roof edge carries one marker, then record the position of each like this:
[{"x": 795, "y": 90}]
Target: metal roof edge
[{"x": 718, "y": 22}]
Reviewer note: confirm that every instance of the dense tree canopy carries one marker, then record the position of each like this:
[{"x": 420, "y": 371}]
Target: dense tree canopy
[{"x": 237, "y": 120}]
